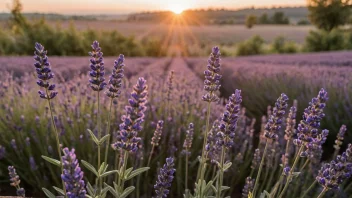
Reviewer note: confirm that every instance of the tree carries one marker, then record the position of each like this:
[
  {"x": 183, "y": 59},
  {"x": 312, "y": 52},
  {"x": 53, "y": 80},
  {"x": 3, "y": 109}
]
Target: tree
[
  {"x": 264, "y": 19},
  {"x": 279, "y": 18},
  {"x": 250, "y": 21},
  {"x": 329, "y": 14}
]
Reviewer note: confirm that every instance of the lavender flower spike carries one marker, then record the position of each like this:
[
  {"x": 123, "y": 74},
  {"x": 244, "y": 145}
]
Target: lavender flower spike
[
  {"x": 115, "y": 82},
  {"x": 187, "y": 144},
  {"x": 307, "y": 129},
  {"x": 97, "y": 65},
  {"x": 42, "y": 67},
  {"x": 15, "y": 181},
  {"x": 340, "y": 137},
  {"x": 212, "y": 76},
  {"x": 132, "y": 122},
  {"x": 333, "y": 174},
  {"x": 157, "y": 133},
  {"x": 273, "y": 125},
  {"x": 165, "y": 177},
  {"x": 229, "y": 121},
  {"x": 248, "y": 187},
  {"x": 72, "y": 175}
]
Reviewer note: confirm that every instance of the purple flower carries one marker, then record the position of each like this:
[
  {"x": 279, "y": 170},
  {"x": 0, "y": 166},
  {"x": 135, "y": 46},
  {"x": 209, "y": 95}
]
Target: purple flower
[
  {"x": 332, "y": 174},
  {"x": 308, "y": 127},
  {"x": 248, "y": 187},
  {"x": 33, "y": 164},
  {"x": 157, "y": 133},
  {"x": 115, "y": 81},
  {"x": 229, "y": 120},
  {"x": 165, "y": 177},
  {"x": 170, "y": 85},
  {"x": 72, "y": 175},
  {"x": 212, "y": 76},
  {"x": 256, "y": 159},
  {"x": 2, "y": 152},
  {"x": 290, "y": 130},
  {"x": 15, "y": 181},
  {"x": 13, "y": 144},
  {"x": 273, "y": 125},
  {"x": 42, "y": 67},
  {"x": 187, "y": 144},
  {"x": 132, "y": 122},
  {"x": 97, "y": 68},
  {"x": 340, "y": 137}
]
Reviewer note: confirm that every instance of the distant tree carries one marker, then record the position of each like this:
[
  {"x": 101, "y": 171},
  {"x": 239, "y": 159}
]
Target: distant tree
[
  {"x": 250, "y": 21},
  {"x": 329, "y": 14},
  {"x": 264, "y": 19},
  {"x": 279, "y": 18},
  {"x": 16, "y": 12},
  {"x": 303, "y": 22}
]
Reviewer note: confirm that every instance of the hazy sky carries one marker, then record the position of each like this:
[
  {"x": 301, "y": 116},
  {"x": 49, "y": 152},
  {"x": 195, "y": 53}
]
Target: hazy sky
[{"x": 127, "y": 6}]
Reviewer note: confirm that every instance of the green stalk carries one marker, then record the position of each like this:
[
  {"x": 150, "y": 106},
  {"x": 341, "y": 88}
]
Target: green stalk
[
  {"x": 310, "y": 188},
  {"x": 186, "y": 178},
  {"x": 260, "y": 168},
  {"x": 57, "y": 141},
  {"x": 99, "y": 137},
  {"x": 150, "y": 156},
  {"x": 292, "y": 168},
  {"x": 121, "y": 181},
  {"x": 273, "y": 193},
  {"x": 116, "y": 166},
  {"x": 304, "y": 165},
  {"x": 221, "y": 172},
  {"x": 108, "y": 132},
  {"x": 322, "y": 193}
]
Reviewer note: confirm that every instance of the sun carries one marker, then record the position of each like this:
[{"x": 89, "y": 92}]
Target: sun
[{"x": 177, "y": 9}]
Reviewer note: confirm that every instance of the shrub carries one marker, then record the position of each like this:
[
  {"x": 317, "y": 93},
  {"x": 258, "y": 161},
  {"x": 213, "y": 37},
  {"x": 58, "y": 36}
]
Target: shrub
[
  {"x": 252, "y": 46},
  {"x": 318, "y": 41},
  {"x": 280, "y": 45}
]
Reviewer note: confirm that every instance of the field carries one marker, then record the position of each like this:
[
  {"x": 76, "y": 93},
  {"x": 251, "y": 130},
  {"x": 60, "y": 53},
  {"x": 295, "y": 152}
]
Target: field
[
  {"x": 211, "y": 34},
  {"x": 27, "y": 133}
]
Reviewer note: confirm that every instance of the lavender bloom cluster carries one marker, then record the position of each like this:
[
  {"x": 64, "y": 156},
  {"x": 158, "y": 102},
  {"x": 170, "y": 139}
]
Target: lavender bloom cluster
[
  {"x": 229, "y": 121},
  {"x": 115, "y": 81},
  {"x": 290, "y": 130},
  {"x": 132, "y": 122},
  {"x": 44, "y": 74},
  {"x": 187, "y": 144},
  {"x": 340, "y": 137},
  {"x": 72, "y": 175},
  {"x": 248, "y": 187},
  {"x": 331, "y": 175},
  {"x": 212, "y": 76},
  {"x": 97, "y": 68},
  {"x": 157, "y": 133},
  {"x": 165, "y": 177},
  {"x": 308, "y": 127},
  {"x": 274, "y": 123},
  {"x": 15, "y": 181}
]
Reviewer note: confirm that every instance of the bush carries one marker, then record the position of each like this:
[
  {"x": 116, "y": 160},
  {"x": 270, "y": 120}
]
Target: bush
[
  {"x": 281, "y": 46},
  {"x": 253, "y": 46},
  {"x": 318, "y": 41}
]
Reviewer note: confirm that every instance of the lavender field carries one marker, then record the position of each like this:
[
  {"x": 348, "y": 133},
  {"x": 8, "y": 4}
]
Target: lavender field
[{"x": 174, "y": 127}]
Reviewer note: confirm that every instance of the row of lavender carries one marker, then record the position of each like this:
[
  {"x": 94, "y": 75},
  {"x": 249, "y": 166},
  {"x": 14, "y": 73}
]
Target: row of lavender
[{"x": 163, "y": 118}]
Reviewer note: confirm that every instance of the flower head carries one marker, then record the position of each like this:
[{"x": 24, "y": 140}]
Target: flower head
[
  {"x": 170, "y": 85},
  {"x": 273, "y": 125},
  {"x": 115, "y": 81},
  {"x": 340, "y": 137},
  {"x": 72, "y": 175},
  {"x": 157, "y": 133},
  {"x": 212, "y": 76},
  {"x": 308, "y": 127},
  {"x": 229, "y": 120},
  {"x": 165, "y": 177},
  {"x": 187, "y": 144},
  {"x": 248, "y": 187},
  {"x": 97, "y": 68},
  {"x": 44, "y": 74},
  {"x": 290, "y": 130},
  {"x": 15, "y": 181},
  {"x": 132, "y": 122}
]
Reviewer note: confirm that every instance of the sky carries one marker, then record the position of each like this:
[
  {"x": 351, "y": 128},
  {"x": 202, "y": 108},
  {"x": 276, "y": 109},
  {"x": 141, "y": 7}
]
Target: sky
[{"x": 130, "y": 6}]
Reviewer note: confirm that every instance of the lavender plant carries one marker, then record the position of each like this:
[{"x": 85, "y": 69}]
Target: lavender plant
[
  {"x": 165, "y": 177},
  {"x": 15, "y": 181}
]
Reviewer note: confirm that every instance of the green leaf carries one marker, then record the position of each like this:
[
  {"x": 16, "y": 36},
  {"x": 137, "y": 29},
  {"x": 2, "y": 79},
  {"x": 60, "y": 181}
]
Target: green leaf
[
  {"x": 105, "y": 190},
  {"x": 108, "y": 173},
  {"x": 267, "y": 194},
  {"x": 208, "y": 186},
  {"x": 52, "y": 161},
  {"x": 48, "y": 193},
  {"x": 90, "y": 189},
  {"x": 116, "y": 187},
  {"x": 90, "y": 167},
  {"x": 296, "y": 174},
  {"x": 59, "y": 190},
  {"x": 88, "y": 196},
  {"x": 224, "y": 188},
  {"x": 94, "y": 138},
  {"x": 128, "y": 171},
  {"x": 112, "y": 190},
  {"x": 227, "y": 166},
  {"x": 137, "y": 172},
  {"x": 101, "y": 168},
  {"x": 126, "y": 192},
  {"x": 103, "y": 139}
]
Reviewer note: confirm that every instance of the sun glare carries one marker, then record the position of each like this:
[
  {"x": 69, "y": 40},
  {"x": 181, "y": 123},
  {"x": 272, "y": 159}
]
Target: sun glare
[{"x": 177, "y": 9}]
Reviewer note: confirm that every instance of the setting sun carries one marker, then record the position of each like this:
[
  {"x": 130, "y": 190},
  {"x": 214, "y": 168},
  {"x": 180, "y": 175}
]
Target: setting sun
[{"x": 177, "y": 9}]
